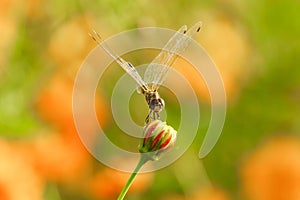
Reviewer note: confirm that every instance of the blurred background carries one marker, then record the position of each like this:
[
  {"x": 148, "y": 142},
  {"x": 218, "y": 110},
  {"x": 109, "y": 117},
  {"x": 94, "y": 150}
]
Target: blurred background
[{"x": 256, "y": 47}]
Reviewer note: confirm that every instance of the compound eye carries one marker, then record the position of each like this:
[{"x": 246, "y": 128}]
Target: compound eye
[
  {"x": 153, "y": 104},
  {"x": 157, "y": 104}
]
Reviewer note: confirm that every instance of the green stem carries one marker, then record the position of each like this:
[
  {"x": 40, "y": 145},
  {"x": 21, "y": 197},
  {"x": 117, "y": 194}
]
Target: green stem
[{"x": 142, "y": 161}]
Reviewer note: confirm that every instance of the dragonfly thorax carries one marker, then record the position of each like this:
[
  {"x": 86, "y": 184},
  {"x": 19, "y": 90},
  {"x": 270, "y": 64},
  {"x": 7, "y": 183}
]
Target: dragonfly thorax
[{"x": 154, "y": 101}]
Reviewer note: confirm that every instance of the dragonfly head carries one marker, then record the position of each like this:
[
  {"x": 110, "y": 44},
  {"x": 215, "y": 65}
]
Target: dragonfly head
[
  {"x": 157, "y": 105},
  {"x": 154, "y": 101}
]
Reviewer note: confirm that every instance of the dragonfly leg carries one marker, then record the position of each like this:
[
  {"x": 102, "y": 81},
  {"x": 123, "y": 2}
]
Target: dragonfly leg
[
  {"x": 156, "y": 115},
  {"x": 148, "y": 118},
  {"x": 152, "y": 115}
]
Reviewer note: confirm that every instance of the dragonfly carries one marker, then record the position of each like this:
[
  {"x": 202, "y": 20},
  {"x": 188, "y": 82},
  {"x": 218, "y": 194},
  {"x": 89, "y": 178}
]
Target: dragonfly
[{"x": 157, "y": 70}]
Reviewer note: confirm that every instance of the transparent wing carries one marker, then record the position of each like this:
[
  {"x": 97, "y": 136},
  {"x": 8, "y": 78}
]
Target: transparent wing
[
  {"x": 157, "y": 70},
  {"x": 128, "y": 67},
  {"x": 158, "y": 65}
]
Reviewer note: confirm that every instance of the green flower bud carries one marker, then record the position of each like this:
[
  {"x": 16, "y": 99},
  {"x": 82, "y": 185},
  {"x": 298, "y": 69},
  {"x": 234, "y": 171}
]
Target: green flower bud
[{"x": 158, "y": 139}]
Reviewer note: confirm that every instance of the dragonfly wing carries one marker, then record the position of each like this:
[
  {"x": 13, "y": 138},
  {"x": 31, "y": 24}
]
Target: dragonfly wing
[
  {"x": 157, "y": 70},
  {"x": 128, "y": 67},
  {"x": 157, "y": 66}
]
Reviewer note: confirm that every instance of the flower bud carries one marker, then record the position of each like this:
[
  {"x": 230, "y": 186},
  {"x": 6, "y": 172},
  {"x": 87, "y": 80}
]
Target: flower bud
[{"x": 158, "y": 138}]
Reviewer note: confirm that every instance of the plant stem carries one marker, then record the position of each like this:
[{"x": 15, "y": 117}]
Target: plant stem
[{"x": 141, "y": 162}]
